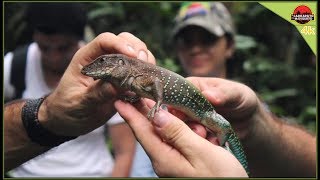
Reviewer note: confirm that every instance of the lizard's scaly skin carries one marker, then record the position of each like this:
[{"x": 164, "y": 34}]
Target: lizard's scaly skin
[{"x": 164, "y": 86}]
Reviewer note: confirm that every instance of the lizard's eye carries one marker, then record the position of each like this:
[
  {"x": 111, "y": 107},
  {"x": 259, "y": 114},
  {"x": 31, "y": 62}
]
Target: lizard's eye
[{"x": 121, "y": 62}]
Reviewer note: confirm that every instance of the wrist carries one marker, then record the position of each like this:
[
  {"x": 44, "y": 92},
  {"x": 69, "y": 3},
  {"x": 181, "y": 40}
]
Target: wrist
[
  {"x": 36, "y": 129},
  {"x": 263, "y": 127},
  {"x": 43, "y": 114},
  {"x": 13, "y": 125}
]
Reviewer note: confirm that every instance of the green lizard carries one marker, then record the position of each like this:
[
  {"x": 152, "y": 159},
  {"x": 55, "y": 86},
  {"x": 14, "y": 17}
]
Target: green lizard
[{"x": 164, "y": 86}]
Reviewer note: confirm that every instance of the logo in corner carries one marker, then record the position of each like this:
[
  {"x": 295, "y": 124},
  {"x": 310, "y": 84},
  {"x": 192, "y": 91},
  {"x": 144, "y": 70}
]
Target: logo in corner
[{"x": 302, "y": 14}]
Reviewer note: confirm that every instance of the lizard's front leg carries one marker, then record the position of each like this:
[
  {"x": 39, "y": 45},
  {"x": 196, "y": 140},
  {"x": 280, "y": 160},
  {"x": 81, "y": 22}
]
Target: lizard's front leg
[
  {"x": 128, "y": 82},
  {"x": 157, "y": 93}
]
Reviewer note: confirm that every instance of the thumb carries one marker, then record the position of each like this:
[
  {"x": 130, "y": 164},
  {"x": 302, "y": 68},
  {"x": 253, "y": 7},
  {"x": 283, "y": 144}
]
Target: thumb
[
  {"x": 176, "y": 133},
  {"x": 102, "y": 91}
]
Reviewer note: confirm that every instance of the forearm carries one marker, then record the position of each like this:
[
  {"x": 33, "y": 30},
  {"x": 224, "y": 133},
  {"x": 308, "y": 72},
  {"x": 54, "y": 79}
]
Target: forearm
[
  {"x": 18, "y": 147},
  {"x": 277, "y": 149},
  {"x": 122, "y": 166},
  {"x": 124, "y": 148}
]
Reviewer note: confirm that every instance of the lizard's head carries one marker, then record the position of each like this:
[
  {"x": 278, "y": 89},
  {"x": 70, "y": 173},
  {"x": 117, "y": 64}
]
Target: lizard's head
[{"x": 105, "y": 66}]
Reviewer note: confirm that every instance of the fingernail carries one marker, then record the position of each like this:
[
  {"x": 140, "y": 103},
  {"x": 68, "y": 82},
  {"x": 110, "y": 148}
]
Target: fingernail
[
  {"x": 143, "y": 55},
  {"x": 164, "y": 107},
  {"x": 130, "y": 48},
  {"x": 160, "y": 118}
]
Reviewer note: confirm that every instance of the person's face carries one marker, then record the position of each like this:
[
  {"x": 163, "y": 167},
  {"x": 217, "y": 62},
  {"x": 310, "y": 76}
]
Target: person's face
[
  {"x": 202, "y": 53},
  {"x": 56, "y": 50}
]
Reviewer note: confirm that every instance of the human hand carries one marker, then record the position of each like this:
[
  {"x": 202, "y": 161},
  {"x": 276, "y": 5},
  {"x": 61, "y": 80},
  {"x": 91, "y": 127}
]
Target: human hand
[
  {"x": 79, "y": 104},
  {"x": 195, "y": 126},
  {"x": 262, "y": 134},
  {"x": 233, "y": 100},
  {"x": 174, "y": 149}
]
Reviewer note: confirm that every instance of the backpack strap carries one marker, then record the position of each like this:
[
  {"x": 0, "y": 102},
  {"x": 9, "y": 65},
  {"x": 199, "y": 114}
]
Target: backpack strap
[{"x": 18, "y": 70}]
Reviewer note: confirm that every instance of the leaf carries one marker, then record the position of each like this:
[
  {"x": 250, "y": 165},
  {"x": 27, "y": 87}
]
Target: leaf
[{"x": 244, "y": 42}]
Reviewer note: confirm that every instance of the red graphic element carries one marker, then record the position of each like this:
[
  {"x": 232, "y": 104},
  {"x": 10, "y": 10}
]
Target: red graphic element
[
  {"x": 302, "y": 14},
  {"x": 195, "y": 5}
]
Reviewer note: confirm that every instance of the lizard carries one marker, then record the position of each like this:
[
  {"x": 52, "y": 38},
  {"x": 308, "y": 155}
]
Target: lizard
[{"x": 165, "y": 87}]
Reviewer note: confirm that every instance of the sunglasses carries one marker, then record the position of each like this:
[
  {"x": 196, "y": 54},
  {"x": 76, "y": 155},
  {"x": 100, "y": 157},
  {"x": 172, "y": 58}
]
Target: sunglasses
[{"x": 189, "y": 37}]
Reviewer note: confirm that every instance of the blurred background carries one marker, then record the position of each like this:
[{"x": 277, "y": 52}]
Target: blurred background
[{"x": 271, "y": 56}]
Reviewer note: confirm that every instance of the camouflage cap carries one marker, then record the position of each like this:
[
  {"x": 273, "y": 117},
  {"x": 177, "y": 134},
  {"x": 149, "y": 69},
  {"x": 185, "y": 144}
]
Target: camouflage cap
[{"x": 212, "y": 16}]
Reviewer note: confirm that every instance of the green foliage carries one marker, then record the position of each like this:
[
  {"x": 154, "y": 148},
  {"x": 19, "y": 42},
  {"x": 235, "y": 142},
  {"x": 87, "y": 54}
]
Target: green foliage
[
  {"x": 271, "y": 56},
  {"x": 278, "y": 64},
  {"x": 244, "y": 43},
  {"x": 170, "y": 64},
  {"x": 149, "y": 21},
  {"x": 15, "y": 27}
]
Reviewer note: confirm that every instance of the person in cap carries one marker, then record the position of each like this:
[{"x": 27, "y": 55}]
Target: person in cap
[
  {"x": 204, "y": 39},
  {"x": 58, "y": 35}
]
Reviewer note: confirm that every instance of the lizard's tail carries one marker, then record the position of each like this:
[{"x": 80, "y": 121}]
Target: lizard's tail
[
  {"x": 227, "y": 137},
  {"x": 237, "y": 150},
  {"x": 230, "y": 141}
]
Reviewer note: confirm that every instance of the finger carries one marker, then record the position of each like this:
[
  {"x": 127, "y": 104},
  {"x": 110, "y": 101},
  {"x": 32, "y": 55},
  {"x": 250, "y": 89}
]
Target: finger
[
  {"x": 142, "y": 127},
  {"x": 215, "y": 96},
  {"x": 232, "y": 102},
  {"x": 151, "y": 58},
  {"x": 177, "y": 113},
  {"x": 151, "y": 142},
  {"x": 178, "y": 134},
  {"x": 148, "y": 102},
  {"x": 197, "y": 128},
  {"x": 102, "y": 91},
  {"x": 139, "y": 47},
  {"x": 210, "y": 88},
  {"x": 221, "y": 93},
  {"x": 203, "y": 83},
  {"x": 213, "y": 139},
  {"x": 102, "y": 44}
]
